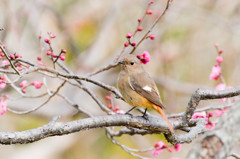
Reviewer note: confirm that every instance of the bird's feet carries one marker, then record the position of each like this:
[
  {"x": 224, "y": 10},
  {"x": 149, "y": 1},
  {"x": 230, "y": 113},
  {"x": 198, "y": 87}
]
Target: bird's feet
[{"x": 145, "y": 116}]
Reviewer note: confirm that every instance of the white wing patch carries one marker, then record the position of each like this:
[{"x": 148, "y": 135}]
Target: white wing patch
[
  {"x": 147, "y": 88},
  {"x": 130, "y": 83}
]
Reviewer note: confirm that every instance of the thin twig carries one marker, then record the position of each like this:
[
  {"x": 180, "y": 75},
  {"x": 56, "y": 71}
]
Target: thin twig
[
  {"x": 37, "y": 107},
  {"x": 6, "y": 55}
]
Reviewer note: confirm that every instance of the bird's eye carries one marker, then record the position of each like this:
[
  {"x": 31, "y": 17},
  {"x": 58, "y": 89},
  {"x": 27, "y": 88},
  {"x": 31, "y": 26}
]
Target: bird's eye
[{"x": 132, "y": 63}]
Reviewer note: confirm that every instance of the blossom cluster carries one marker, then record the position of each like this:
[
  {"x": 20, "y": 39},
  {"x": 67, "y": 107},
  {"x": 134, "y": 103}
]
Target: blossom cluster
[
  {"x": 160, "y": 146},
  {"x": 50, "y": 51}
]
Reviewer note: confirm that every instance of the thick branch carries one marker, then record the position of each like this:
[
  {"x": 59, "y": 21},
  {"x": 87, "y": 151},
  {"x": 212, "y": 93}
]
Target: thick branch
[{"x": 59, "y": 128}]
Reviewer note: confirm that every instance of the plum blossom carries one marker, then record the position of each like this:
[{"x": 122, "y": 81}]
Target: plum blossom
[
  {"x": 199, "y": 115},
  {"x": 37, "y": 84},
  {"x": 159, "y": 146},
  {"x": 216, "y": 71},
  {"x": 3, "y": 106},
  {"x": 23, "y": 84},
  {"x": 3, "y": 81},
  {"x": 178, "y": 147},
  {"x": 144, "y": 58}
]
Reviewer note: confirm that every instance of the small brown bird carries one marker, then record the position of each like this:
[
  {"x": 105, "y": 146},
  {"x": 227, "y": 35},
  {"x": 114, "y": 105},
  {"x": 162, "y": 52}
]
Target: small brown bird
[{"x": 138, "y": 88}]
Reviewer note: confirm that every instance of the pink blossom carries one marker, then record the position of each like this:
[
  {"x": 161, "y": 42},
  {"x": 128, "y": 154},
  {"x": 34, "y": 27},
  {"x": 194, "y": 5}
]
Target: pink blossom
[
  {"x": 23, "y": 84},
  {"x": 3, "y": 105},
  {"x": 175, "y": 158},
  {"x": 5, "y": 62},
  {"x": 220, "y": 86},
  {"x": 178, "y": 147},
  {"x": 37, "y": 84},
  {"x": 160, "y": 144},
  {"x": 144, "y": 58},
  {"x": 157, "y": 152},
  {"x": 199, "y": 115},
  {"x": 219, "y": 59},
  {"x": 2, "y": 85},
  {"x": 210, "y": 126},
  {"x": 220, "y": 112},
  {"x": 216, "y": 71}
]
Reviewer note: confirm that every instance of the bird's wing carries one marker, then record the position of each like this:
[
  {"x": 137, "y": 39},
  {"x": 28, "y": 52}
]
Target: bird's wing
[{"x": 144, "y": 85}]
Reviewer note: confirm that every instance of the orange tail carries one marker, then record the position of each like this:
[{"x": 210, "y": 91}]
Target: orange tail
[{"x": 157, "y": 108}]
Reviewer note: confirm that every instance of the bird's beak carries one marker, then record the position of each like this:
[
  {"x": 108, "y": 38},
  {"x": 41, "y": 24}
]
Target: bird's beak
[{"x": 120, "y": 62}]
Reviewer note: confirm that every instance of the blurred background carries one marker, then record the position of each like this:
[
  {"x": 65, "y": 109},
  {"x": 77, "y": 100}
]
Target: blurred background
[{"x": 93, "y": 33}]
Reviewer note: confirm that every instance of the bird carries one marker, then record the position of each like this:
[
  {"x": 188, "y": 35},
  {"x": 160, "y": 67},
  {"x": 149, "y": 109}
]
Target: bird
[{"x": 138, "y": 88}]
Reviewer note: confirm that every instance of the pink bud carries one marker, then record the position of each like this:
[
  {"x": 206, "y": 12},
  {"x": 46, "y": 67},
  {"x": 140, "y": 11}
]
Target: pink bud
[
  {"x": 39, "y": 58},
  {"x": 152, "y": 2},
  {"x": 152, "y": 37},
  {"x": 12, "y": 56},
  {"x": 139, "y": 28},
  {"x": 139, "y": 20},
  {"x": 108, "y": 98},
  {"x": 52, "y": 36},
  {"x": 220, "y": 51},
  {"x": 64, "y": 51},
  {"x": 126, "y": 44},
  {"x": 149, "y": 12},
  {"x": 62, "y": 57},
  {"x": 54, "y": 55},
  {"x": 23, "y": 90},
  {"x": 116, "y": 109},
  {"x": 210, "y": 114},
  {"x": 219, "y": 59},
  {"x": 40, "y": 37},
  {"x": 216, "y": 44},
  {"x": 47, "y": 40},
  {"x": 178, "y": 147},
  {"x": 109, "y": 106},
  {"x": 3, "y": 105},
  {"x": 49, "y": 52},
  {"x": 133, "y": 44},
  {"x": 19, "y": 68},
  {"x": 129, "y": 35}
]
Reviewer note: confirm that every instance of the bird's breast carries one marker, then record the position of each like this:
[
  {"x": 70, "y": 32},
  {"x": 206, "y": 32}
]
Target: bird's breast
[{"x": 129, "y": 94}]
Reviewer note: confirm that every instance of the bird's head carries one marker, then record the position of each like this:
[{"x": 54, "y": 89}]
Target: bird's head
[{"x": 130, "y": 63}]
